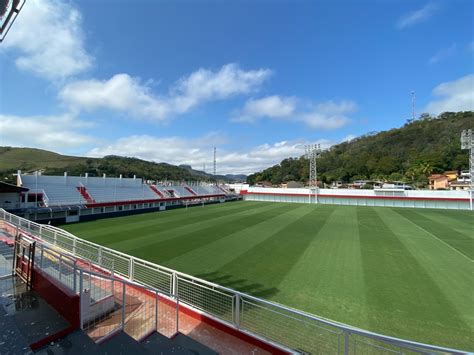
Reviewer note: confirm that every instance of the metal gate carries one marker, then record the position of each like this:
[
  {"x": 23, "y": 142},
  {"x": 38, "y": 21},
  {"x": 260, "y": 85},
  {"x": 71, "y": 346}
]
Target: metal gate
[{"x": 24, "y": 259}]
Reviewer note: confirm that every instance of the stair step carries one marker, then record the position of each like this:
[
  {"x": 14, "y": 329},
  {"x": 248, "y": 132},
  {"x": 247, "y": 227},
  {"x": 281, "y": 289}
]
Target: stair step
[
  {"x": 159, "y": 344},
  {"x": 122, "y": 343},
  {"x": 75, "y": 343},
  {"x": 192, "y": 345}
]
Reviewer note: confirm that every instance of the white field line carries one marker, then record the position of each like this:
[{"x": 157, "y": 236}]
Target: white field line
[{"x": 442, "y": 241}]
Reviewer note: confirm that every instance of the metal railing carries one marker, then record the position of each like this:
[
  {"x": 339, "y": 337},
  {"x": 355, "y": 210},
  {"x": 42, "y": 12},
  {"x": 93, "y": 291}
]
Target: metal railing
[
  {"x": 282, "y": 326},
  {"x": 108, "y": 304}
]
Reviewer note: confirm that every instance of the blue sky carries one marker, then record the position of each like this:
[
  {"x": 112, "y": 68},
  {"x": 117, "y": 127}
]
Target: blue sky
[{"x": 169, "y": 80}]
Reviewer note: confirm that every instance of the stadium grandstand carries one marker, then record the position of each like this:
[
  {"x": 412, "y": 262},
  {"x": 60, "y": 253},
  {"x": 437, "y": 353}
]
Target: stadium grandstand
[{"x": 60, "y": 199}]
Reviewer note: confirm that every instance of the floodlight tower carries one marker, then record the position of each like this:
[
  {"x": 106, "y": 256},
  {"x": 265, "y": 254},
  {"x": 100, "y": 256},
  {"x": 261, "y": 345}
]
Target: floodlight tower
[
  {"x": 467, "y": 142},
  {"x": 313, "y": 151}
]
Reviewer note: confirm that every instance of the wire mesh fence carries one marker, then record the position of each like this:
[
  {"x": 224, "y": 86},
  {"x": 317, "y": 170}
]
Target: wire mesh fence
[
  {"x": 285, "y": 327},
  {"x": 206, "y": 298},
  {"x": 148, "y": 275},
  {"x": 102, "y": 301},
  {"x": 140, "y": 312},
  {"x": 117, "y": 305},
  {"x": 6, "y": 258},
  {"x": 109, "y": 305}
]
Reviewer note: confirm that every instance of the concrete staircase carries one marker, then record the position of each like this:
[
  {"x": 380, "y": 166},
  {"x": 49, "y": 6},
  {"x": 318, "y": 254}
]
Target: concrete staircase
[
  {"x": 190, "y": 190},
  {"x": 156, "y": 191},
  {"x": 84, "y": 193},
  {"x": 121, "y": 343}
]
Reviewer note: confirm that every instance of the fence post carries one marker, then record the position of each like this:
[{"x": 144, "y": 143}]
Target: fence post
[
  {"x": 75, "y": 276},
  {"x": 130, "y": 269},
  {"x": 237, "y": 311},
  {"x": 123, "y": 305},
  {"x": 156, "y": 310},
  {"x": 60, "y": 262},
  {"x": 177, "y": 314},
  {"x": 99, "y": 256},
  {"x": 346, "y": 342},
  {"x": 174, "y": 285},
  {"x": 55, "y": 237},
  {"x": 81, "y": 289}
]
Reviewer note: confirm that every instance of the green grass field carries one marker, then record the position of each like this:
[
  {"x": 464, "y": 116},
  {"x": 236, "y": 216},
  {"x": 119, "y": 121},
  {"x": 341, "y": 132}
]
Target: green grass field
[{"x": 408, "y": 273}]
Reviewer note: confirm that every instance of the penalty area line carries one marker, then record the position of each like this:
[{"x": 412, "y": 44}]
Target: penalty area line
[{"x": 440, "y": 240}]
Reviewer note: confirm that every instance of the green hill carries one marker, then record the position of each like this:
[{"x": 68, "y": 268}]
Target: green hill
[
  {"x": 30, "y": 159},
  {"x": 410, "y": 153}
]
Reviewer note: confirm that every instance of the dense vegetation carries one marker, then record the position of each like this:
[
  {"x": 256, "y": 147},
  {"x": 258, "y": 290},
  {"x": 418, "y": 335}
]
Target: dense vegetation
[
  {"x": 410, "y": 153},
  {"x": 29, "y": 159}
]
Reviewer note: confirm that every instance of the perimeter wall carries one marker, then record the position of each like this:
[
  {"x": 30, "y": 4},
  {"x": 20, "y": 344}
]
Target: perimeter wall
[{"x": 457, "y": 200}]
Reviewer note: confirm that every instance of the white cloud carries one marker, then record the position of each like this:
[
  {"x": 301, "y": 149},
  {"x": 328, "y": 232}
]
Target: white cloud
[
  {"x": 48, "y": 132},
  {"x": 325, "y": 115},
  {"x": 330, "y": 115},
  {"x": 121, "y": 93},
  {"x": 270, "y": 106},
  {"x": 417, "y": 16},
  {"x": 49, "y": 41},
  {"x": 128, "y": 95},
  {"x": 443, "y": 54},
  {"x": 195, "y": 152},
  {"x": 457, "y": 95},
  {"x": 348, "y": 138},
  {"x": 205, "y": 85}
]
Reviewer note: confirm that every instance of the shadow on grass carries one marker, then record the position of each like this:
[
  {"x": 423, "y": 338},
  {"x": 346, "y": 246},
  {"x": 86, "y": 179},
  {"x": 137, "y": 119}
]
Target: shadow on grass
[{"x": 240, "y": 284}]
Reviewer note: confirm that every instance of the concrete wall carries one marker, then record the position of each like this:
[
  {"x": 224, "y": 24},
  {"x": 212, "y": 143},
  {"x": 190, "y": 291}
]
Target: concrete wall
[{"x": 459, "y": 200}]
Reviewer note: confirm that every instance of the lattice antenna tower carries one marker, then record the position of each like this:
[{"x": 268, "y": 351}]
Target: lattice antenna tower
[
  {"x": 413, "y": 105},
  {"x": 313, "y": 151},
  {"x": 467, "y": 142}
]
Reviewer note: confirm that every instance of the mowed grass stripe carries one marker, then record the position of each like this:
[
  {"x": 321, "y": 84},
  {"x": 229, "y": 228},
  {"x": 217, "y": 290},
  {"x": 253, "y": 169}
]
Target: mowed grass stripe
[
  {"x": 267, "y": 263},
  {"x": 197, "y": 235},
  {"x": 233, "y": 245},
  {"x": 460, "y": 242},
  {"x": 462, "y": 224},
  {"x": 402, "y": 296},
  {"x": 102, "y": 228},
  {"x": 326, "y": 270},
  {"x": 328, "y": 278},
  {"x": 454, "y": 275},
  {"x": 151, "y": 236}
]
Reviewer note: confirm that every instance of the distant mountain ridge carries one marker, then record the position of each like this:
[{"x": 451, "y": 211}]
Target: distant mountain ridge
[
  {"x": 409, "y": 153},
  {"x": 32, "y": 159}
]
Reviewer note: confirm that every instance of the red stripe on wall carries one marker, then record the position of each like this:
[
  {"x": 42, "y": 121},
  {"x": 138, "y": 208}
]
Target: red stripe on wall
[{"x": 117, "y": 203}]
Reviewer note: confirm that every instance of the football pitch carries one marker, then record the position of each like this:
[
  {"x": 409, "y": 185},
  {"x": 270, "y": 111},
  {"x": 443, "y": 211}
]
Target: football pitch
[{"x": 407, "y": 272}]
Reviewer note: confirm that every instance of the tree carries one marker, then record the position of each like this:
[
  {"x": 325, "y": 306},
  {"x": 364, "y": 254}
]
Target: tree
[{"x": 412, "y": 152}]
